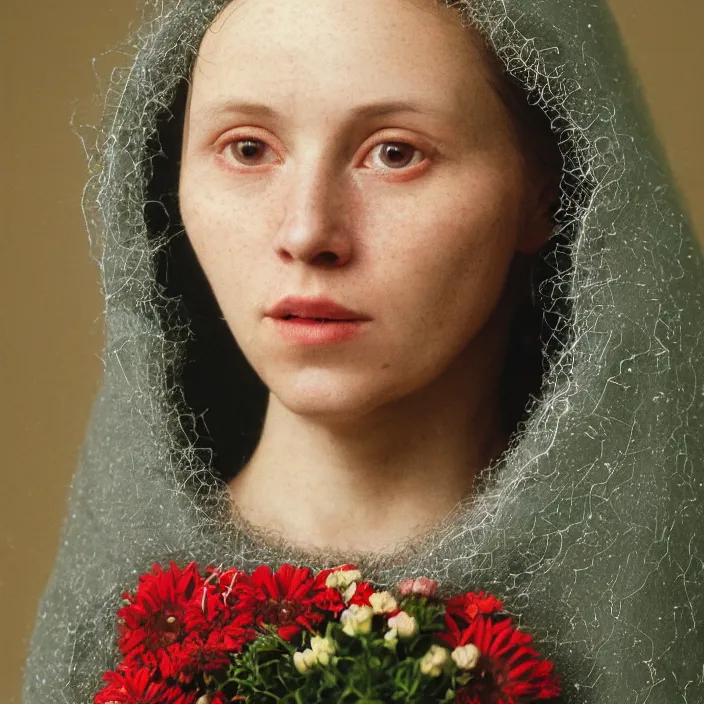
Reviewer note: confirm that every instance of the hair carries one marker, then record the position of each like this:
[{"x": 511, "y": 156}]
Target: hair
[
  {"x": 538, "y": 329},
  {"x": 218, "y": 382},
  {"x": 532, "y": 126}
]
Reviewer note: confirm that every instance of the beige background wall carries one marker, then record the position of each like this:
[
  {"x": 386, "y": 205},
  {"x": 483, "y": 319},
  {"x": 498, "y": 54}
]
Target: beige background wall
[{"x": 50, "y": 318}]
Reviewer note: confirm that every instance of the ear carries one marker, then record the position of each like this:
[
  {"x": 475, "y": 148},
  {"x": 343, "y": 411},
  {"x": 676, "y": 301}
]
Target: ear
[{"x": 539, "y": 223}]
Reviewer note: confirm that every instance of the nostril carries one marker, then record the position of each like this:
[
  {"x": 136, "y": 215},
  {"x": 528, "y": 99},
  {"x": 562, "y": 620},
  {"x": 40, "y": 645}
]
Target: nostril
[{"x": 328, "y": 257}]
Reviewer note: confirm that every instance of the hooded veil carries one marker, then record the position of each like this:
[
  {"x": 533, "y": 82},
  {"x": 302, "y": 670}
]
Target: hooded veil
[{"x": 590, "y": 528}]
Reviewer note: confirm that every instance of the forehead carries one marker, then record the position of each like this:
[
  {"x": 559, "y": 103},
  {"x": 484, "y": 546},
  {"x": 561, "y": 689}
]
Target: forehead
[{"x": 364, "y": 51}]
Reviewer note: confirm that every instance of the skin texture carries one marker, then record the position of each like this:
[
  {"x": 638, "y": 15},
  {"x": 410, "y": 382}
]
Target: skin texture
[{"x": 369, "y": 442}]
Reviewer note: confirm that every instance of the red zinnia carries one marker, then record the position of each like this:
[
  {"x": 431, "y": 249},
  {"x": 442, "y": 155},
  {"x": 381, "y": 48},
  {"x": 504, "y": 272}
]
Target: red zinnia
[
  {"x": 199, "y": 655},
  {"x": 465, "y": 607},
  {"x": 209, "y": 610},
  {"x": 162, "y": 662},
  {"x": 509, "y": 669},
  {"x": 225, "y": 581},
  {"x": 209, "y": 652},
  {"x": 288, "y": 599},
  {"x": 154, "y": 618},
  {"x": 138, "y": 687}
]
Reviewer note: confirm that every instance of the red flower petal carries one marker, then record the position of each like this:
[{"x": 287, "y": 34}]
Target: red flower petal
[
  {"x": 322, "y": 576},
  {"x": 138, "y": 687},
  {"x": 362, "y": 593},
  {"x": 155, "y": 616},
  {"x": 468, "y": 606},
  {"x": 509, "y": 670},
  {"x": 288, "y": 599}
]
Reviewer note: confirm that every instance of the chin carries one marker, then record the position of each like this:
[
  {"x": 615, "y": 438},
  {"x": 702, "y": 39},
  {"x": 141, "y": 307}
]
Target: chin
[{"x": 331, "y": 395}]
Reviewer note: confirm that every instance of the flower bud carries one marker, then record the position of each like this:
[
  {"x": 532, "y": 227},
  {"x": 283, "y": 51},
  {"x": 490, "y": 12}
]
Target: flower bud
[
  {"x": 300, "y": 663},
  {"x": 342, "y": 579},
  {"x": 466, "y": 657},
  {"x": 432, "y": 662},
  {"x": 356, "y": 619},
  {"x": 422, "y": 586},
  {"x": 383, "y": 602},
  {"x": 391, "y": 638},
  {"x": 323, "y": 648},
  {"x": 349, "y": 592},
  {"x": 305, "y": 660},
  {"x": 407, "y": 626}
]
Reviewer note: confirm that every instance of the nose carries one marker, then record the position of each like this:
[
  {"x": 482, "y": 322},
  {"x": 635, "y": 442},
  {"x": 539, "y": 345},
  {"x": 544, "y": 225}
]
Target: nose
[{"x": 313, "y": 229}]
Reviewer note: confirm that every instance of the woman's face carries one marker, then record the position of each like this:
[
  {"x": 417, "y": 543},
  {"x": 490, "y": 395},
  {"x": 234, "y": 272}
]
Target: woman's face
[{"x": 356, "y": 151}]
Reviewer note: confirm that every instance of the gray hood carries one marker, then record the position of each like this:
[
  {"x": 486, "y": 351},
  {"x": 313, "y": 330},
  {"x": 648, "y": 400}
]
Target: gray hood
[{"x": 591, "y": 529}]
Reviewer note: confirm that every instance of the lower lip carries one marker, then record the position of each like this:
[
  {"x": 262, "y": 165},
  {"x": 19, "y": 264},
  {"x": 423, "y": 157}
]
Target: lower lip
[{"x": 305, "y": 331}]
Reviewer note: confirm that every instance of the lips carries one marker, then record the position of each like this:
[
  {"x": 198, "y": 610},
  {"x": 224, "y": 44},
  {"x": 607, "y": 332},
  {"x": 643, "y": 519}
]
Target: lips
[
  {"x": 317, "y": 320},
  {"x": 313, "y": 332},
  {"x": 316, "y": 309}
]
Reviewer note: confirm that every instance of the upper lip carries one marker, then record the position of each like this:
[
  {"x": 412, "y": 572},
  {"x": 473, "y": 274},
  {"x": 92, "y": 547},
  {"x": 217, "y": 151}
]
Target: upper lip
[{"x": 313, "y": 308}]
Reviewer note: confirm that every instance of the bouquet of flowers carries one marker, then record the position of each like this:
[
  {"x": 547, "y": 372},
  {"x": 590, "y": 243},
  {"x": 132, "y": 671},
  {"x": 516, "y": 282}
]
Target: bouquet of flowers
[{"x": 300, "y": 637}]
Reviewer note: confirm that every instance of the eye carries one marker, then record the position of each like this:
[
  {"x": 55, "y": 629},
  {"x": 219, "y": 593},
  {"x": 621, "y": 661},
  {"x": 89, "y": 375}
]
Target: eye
[
  {"x": 247, "y": 151},
  {"x": 392, "y": 155},
  {"x": 396, "y": 155}
]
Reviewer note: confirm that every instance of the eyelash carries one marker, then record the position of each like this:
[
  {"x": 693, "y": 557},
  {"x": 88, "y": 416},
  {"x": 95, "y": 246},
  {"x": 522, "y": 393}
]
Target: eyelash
[{"x": 258, "y": 141}]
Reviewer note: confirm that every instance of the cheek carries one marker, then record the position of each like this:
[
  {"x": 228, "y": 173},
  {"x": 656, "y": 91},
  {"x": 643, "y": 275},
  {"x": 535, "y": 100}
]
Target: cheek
[
  {"x": 206, "y": 214},
  {"x": 452, "y": 258},
  {"x": 484, "y": 242},
  {"x": 214, "y": 230}
]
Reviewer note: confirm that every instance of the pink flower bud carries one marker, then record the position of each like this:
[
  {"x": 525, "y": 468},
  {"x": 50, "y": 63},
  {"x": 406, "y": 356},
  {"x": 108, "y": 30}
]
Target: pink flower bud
[{"x": 422, "y": 586}]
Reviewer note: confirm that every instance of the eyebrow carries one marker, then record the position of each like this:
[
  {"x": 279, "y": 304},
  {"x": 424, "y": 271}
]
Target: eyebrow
[{"x": 363, "y": 111}]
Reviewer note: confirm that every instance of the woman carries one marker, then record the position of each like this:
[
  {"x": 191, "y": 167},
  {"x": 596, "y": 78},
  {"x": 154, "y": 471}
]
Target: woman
[
  {"x": 415, "y": 440},
  {"x": 413, "y": 227}
]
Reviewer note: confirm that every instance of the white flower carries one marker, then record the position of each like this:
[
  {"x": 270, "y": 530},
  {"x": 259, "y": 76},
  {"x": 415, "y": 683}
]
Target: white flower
[
  {"x": 349, "y": 592},
  {"x": 205, "y": 699},
  {"x": 391, "y": 638},
  {"x": 342, "y": 579},
  {"x": 406, "y": 625},
  {"x": 323, "y": 648},
  {"x": 319, "y": 653},
  {"x": 356, "y": 619},
  {"x": 466, "y": 657},
  {"x": 304, "y": 661},
  {"x": 432, "y": 662},
  {"x": 383, "y": 602}
]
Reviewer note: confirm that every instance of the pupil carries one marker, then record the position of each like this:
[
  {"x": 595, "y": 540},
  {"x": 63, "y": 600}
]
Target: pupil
[
  {"x": 249, "y": 148},
  {"x": 393, "y": 152}
]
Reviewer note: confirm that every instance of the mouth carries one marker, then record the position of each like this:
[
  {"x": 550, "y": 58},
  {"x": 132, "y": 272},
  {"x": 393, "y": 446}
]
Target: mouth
[
  {"x": 315, "y": 310},
  {"x": 317, "y": 320},
  {"x": 318, "y": 331}
]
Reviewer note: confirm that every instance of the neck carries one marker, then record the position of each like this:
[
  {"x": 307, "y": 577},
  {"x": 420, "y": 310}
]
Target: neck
[{"x": 372, "y": 483}]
